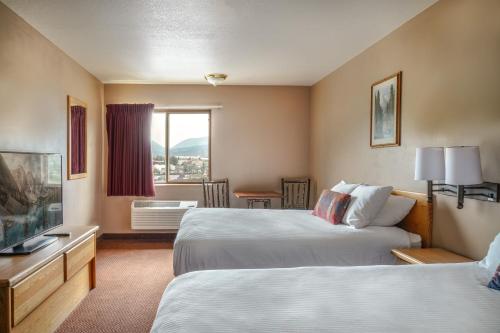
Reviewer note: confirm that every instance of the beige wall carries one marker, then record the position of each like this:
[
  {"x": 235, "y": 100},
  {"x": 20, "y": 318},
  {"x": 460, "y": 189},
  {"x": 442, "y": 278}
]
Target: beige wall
[
  {"x": 260, "y": 135},
  {"x": 450, "y": 58},
  {"x": 35, "y": 78}
]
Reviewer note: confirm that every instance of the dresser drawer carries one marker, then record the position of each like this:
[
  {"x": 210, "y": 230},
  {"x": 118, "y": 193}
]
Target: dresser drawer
[
  {"x": 29, "y": 293},
  {"x": 79, "y": 256}
]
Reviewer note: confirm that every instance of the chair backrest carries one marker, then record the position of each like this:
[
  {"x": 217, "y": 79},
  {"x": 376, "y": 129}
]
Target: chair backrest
[
  {"x": 216, "y": 193},
  {"x": 295, "y": 192}
]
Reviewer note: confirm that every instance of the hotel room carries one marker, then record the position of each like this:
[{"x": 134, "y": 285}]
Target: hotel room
[{"x": 249, "y": 166}]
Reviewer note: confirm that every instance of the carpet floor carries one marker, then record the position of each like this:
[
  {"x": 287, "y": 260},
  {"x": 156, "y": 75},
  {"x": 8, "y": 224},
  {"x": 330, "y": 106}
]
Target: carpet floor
[{"x": 131, "y": 278}]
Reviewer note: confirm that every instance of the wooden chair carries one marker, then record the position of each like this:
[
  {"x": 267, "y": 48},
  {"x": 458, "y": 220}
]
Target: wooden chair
[
  {"x": 216, "y": 193},
  {"x": 295, "y": 192}
]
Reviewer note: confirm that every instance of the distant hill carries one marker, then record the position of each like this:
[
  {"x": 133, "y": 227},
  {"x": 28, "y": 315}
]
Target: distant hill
[
  {"x": 188, "y": 147},
  {"x": 157, "y": 149},
  {"x": 191, "y": 147}
]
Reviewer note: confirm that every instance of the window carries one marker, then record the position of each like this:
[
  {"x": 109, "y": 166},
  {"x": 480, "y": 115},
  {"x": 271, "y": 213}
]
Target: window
[{"x": 187, "y": 136}]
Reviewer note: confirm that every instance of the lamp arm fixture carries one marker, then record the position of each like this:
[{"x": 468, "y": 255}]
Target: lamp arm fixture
[{"x": 486, "y": 191}]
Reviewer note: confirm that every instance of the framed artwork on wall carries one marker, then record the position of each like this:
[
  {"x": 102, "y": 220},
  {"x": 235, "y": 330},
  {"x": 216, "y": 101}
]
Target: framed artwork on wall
[
  {"x": 385, "y": 112},
  {"x": 77, "y": 138}
]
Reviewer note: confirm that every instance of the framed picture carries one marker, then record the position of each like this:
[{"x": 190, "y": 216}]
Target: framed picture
[{"x": 385, "y": 114}]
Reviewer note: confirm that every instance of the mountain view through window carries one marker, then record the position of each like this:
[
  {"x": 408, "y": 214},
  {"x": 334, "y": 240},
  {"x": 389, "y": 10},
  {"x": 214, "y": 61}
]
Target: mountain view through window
[{"x": 187, "y": 134}]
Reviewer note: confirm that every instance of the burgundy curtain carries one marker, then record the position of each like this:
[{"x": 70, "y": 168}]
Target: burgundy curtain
[
  {"x": 130, "y": 166},
  {"x": 78, "y": 139}
]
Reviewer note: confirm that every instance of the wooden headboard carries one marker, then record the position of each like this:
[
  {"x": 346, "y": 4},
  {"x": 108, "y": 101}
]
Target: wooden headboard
[{"x": 419, "y": 220}]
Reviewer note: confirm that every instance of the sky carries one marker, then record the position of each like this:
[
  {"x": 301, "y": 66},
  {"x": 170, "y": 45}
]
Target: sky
[{"x": 182, "y": 127}]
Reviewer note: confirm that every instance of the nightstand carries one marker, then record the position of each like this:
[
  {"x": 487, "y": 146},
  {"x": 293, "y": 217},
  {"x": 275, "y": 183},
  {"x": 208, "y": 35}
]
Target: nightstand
[{"x": 428, "y": 256}]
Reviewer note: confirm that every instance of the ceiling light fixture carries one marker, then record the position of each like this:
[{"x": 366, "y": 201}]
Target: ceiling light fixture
[{"x": 215, "y": 78}]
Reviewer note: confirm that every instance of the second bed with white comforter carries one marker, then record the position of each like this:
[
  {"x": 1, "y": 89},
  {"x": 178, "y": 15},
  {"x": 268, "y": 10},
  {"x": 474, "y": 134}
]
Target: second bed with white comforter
[
  {"x": 412, "y": 298},
  {"x": 219, "y": 238}
]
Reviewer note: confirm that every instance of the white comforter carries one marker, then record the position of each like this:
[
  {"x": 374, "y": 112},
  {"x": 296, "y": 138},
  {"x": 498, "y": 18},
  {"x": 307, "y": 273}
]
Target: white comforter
[
  {"x": 413, "y": 298},
  {"x": 211, "y": 238}
]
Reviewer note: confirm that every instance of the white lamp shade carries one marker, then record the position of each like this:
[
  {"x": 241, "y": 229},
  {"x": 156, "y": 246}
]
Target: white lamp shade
[
  {"x": 429, "y": 163},
  {"x": 463, "y": 166}
]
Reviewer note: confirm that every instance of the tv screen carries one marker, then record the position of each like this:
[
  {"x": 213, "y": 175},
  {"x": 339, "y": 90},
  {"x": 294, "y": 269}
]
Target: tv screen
[{"x": 30, "y": 196}]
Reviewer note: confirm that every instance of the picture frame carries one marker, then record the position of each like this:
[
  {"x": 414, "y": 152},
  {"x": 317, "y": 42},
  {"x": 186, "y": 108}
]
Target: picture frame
[
  {"x": 77, "y": 138},
  {"x": 385, "y": 112}
]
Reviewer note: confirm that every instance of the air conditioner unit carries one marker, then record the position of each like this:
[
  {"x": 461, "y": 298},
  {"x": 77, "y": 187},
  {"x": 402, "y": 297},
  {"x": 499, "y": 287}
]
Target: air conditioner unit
[{"x": 159, "y": 215}]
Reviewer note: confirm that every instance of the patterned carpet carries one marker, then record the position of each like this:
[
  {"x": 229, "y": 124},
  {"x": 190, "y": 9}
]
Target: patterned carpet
[{"x": 131, "y": 277}]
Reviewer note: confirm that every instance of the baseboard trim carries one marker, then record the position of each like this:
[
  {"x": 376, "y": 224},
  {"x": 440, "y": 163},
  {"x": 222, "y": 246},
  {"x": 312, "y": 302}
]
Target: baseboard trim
[{"x": 149, "y": 236}]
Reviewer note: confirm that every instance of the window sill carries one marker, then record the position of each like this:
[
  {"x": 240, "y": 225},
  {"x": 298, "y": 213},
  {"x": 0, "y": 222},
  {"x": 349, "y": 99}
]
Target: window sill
[{"x": 181, "y": 185}]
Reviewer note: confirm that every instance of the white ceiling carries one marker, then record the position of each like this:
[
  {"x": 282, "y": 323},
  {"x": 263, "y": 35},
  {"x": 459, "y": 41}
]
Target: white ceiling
[{"x": 275, "y": 42}]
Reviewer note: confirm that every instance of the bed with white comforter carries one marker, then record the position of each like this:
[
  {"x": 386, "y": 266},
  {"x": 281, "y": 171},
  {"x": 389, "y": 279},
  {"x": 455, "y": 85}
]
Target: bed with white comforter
[
  {"x": 220, "y": 238},
  {"x": 412, "y": 298}
]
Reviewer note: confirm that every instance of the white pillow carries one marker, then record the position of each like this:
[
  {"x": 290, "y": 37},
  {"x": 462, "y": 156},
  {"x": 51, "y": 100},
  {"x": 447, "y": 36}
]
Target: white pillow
[
  {"x": 366, "y": 203},
  {"x": 394, "y": 211},
  {"x": 492, "y": 259},
  {"x": 343, "y": 187}
]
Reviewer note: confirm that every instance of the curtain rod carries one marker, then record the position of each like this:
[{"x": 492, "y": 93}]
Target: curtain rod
[{"x": 188, "y": 107}]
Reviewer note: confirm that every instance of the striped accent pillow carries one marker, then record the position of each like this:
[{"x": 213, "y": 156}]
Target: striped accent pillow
[
  {"x": 332, "y": 206},
  {"x": 495, "y": 281}
]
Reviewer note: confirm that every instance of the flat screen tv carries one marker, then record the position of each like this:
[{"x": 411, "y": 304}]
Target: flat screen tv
[{"x": 30, "y": 200}]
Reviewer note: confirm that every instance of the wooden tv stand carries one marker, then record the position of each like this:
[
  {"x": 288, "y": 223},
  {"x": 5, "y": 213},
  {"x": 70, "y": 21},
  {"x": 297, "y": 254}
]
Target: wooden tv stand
[{"x": 38, "y": 291}]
